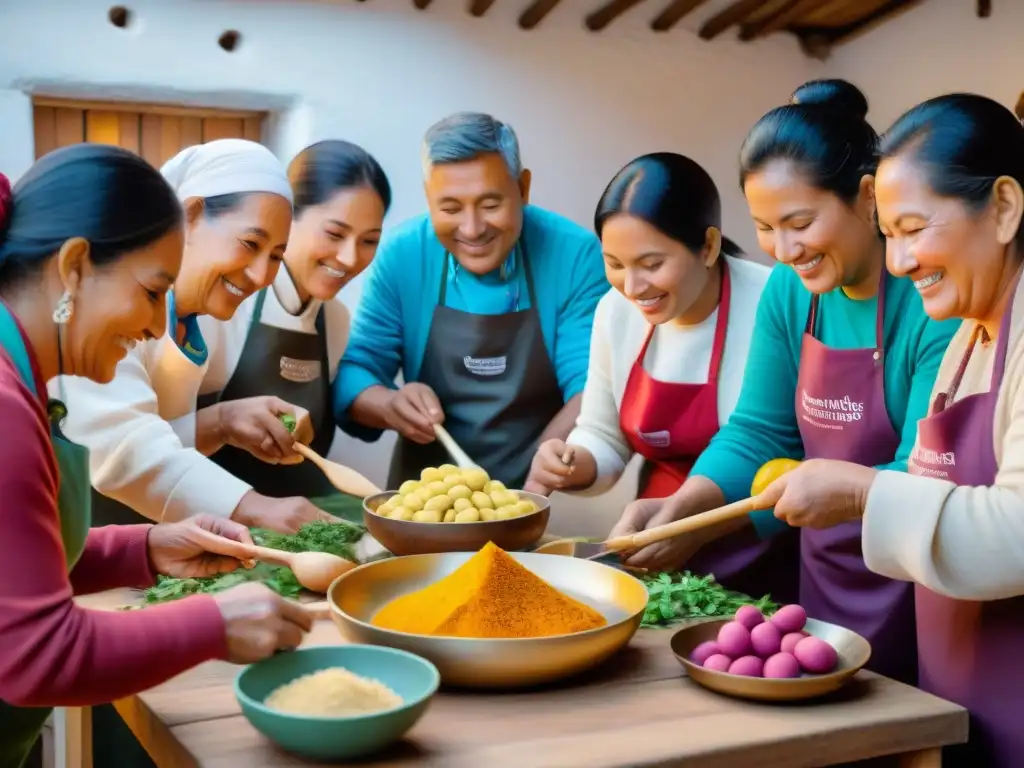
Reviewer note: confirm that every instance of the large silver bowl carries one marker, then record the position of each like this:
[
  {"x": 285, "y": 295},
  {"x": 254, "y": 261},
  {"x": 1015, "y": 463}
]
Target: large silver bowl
[
  {"x": 356, "y": 596},
  {"x": 407, "y": 537}
]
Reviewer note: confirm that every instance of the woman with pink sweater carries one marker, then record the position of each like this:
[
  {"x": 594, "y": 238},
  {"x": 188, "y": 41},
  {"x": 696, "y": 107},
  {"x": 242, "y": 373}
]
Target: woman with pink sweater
[{"x": 91, "y": 240}]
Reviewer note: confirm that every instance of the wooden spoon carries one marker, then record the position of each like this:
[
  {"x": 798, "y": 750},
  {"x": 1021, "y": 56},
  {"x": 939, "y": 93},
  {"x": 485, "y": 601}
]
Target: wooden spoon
[
  {"x": 686, "y": 525},
  {"x": 314, "y": 570},
  {"x": 341, "y": 477},
  {"x": 461, "y": 458}
]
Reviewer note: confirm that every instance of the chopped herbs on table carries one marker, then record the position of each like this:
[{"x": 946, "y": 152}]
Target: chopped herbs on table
[
  {"x": 334, "y": 538},
  {"x": 673, "y": 597}
]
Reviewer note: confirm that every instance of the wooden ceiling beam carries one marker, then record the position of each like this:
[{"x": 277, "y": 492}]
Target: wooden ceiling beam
[
  {"x": 673, "y": 13},
  {"x": 534, "y": 13},
  {"x": 984, "y": 9},
  {"x": 479, "y": 7},
  {"x": 883, "y": 13},
  {"x": 421, "y": 4},
  {"x": 607, "y": 13},
  {"x": 779, "y": 20},
  {"x": 728, "y": 17}
]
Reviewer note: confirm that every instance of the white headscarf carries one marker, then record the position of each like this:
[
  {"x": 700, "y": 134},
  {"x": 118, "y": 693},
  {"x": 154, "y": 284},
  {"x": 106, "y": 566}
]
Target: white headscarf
[{"x": 225, "y": 167}]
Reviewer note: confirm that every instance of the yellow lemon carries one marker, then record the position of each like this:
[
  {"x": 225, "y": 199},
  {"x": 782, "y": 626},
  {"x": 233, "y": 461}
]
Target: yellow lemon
[{"x": 771, "y": 471}]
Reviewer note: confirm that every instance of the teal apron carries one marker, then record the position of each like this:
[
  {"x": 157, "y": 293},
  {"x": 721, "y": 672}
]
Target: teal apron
[{"x": 20, "y": 726}]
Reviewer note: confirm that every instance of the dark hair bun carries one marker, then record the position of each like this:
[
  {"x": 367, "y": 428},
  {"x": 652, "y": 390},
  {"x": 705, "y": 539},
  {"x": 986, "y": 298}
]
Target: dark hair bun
[{"x": 834, "y": 93}]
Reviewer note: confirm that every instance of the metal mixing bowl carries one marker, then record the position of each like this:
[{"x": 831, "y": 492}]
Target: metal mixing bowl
[
  {"x": 854, "y": 652},
  {"x": 356, "y": 596},
  {"x": 407, "y": 537}
]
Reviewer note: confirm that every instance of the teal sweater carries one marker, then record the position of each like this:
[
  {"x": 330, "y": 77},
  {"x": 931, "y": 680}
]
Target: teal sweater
[{"x": 764, "y": 425}]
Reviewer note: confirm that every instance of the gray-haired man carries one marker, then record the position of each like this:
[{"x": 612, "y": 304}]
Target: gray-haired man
[{"x": 485, "y": 306}]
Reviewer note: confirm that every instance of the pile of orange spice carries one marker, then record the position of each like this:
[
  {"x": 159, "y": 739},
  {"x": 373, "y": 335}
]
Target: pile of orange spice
[{"x": 491, "y": 595}]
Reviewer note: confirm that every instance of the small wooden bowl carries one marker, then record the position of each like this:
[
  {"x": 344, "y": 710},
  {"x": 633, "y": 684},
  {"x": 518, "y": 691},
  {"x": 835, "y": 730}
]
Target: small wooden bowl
[
  {"x": 407, "y": 537},
  {"x": 854, "y": 652}
]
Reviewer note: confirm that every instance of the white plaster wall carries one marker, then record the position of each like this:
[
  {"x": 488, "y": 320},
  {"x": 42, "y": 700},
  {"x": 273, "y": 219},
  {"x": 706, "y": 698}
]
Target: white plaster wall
[
  {"x": 938, "y": 47},
  {"x": 379, "y": 73}
]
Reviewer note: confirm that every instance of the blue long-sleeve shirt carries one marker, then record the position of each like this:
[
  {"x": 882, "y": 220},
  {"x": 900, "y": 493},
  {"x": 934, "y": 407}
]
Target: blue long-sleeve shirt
[
  {"x": 764, "y": 424},
  {"x": 392, "y": 322}
]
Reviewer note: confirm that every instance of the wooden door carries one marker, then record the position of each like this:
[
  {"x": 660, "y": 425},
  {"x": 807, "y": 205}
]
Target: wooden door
[{"x": 156, "y": 133}]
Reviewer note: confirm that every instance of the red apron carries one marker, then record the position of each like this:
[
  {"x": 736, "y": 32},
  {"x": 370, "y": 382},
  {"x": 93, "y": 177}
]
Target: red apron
[
  {"x": 970, "y": 652},
  {"x": 670, "y": 425},
  {"x": 841, "y": 413}
]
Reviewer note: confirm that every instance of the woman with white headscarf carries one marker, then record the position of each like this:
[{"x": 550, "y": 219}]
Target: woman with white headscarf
[{"x": 149, "y": 443}]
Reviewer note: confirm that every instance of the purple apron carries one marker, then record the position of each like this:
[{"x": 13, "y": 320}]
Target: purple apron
[
  {"x": 970, "y": 652},
  {"x": 840, "y": 406}
]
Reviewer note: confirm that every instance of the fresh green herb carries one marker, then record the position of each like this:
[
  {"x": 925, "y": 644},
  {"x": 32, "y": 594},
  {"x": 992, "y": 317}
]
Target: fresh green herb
[
  {"x": 288, "y": 420},
  {"x": 335, "y": 538},
  {"x": 673, "y": 597}
]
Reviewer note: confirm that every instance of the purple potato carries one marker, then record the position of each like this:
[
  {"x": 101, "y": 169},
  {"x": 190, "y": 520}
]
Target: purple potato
[
  {"x": 749, "y": 616},
  {"x": 734, "y": 639},
  {"x": 701, "y": 653},
  {"x": 766, "y": 640},
  {"x": 815, "y": 655},
  {"x": 748, "y": 666},
  {"x": 782, "y": 665},
  {"x": 789, "y": 641},
  {"x": 790, "y": 618},
  {"x": 719, "y": 662}
]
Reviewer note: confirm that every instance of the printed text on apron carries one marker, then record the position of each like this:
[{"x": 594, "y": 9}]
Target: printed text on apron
[
  {"x": 841, "y": 413},
  {"x": 969, "y": 652},
  {"x": 496, "y": 384}
]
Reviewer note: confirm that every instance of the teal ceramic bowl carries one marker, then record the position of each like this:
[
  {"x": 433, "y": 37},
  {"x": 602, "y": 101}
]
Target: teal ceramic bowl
[{"x": 336, "y": 738}]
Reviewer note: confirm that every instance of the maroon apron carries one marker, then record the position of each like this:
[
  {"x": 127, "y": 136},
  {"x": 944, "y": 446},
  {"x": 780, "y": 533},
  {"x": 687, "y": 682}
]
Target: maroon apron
[
  {"x": 840, "y": 407},
  {"x": 970, "y": 652},
  {"x": 670, "y": 425}
]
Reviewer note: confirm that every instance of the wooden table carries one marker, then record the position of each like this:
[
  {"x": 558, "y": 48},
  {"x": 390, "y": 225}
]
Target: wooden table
[{"x": 637, "y": 710}]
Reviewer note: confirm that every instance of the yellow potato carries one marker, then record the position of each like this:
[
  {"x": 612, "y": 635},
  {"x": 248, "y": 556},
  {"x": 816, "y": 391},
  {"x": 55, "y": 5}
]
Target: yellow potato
[
  {"x": 386, "y": 506},
  {"x": 460, "y": 492},
  {"x": 451, "y": 481},
  {"x": 467, "y": 515},
  {"x": 427, "y": 516},
  {"x": 504, "y": 513},
  {"x": 402, "y": 513},
  {"x": 449, "y": 516},
  {"x": 448, "y": 469},
  {"x": 408, "y": 487},
  {"x": 487, "y": 515},
  {"x": 430, "y": 474},
  {"x": 438, "y": 504},
  {"x": 493, "y": 485},
  {"x": 436, "y": 488},
  {"x": 481, "y": 500},
  {"x": 476, "y": 479},
  {"x": 413, "y": 501},
  {"x": 461, "y": 504},
  {"x": 503, "y": 498},
  {"x": 525, "y": 508}
]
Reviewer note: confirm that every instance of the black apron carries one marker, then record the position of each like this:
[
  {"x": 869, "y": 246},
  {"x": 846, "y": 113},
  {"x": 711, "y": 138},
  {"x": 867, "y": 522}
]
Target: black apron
[{"x": 496, "y": 384}]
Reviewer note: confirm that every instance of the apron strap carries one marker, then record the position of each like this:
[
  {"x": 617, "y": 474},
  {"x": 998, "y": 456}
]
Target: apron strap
[
  {"x": 722, "y": 325},
  {"x": 812, "y": 316},
  {"x": 442, "y": 292},
  {"x": 257, "y": 311}
]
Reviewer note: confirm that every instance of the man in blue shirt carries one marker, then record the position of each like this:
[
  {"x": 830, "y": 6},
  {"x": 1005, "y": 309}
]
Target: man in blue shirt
[{"x": 485, "y": 306}]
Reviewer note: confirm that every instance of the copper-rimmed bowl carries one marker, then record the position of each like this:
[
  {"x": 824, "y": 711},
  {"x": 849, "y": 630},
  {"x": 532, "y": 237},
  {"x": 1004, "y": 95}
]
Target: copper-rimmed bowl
[
  {"x": 853, "y": 650},
  {"x": 408, "y": 537}
]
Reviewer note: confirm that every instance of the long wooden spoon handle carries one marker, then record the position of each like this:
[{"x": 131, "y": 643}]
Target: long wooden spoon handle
[
  {"x": 461, "y": 457},
  {"x": 686, "y": 525},
  {"x": 308, "y": 453},
  {"x": 274, "y": 556}
]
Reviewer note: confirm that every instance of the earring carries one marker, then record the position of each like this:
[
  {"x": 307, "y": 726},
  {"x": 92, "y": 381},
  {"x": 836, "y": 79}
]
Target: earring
[{"x": 65, "y": 308}]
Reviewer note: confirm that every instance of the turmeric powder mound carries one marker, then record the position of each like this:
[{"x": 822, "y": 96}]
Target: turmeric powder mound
[{"x": 490, "y": 595}]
